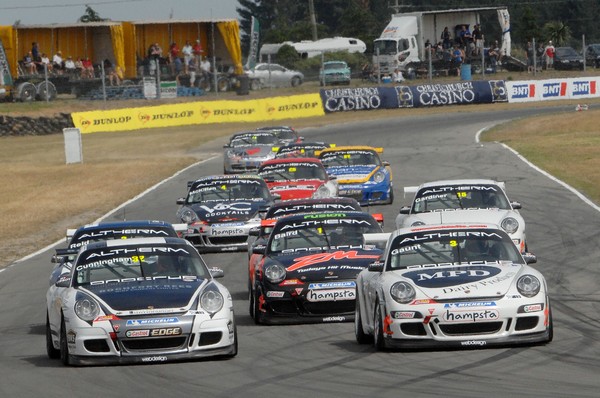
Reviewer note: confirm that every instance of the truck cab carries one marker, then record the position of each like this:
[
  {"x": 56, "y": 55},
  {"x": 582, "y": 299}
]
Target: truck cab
[{"x": 397, "y": 45}]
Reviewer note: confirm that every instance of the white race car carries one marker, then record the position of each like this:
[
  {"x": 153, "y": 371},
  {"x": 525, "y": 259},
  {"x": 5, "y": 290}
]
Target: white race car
[
  {"x": 140, "y": 300},
  {"x": 456, "y": 201},
  {"x": 454, "y": 286}
]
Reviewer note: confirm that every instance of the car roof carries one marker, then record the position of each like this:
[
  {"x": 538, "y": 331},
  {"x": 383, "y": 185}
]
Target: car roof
[{"x": 474, "y": 181}]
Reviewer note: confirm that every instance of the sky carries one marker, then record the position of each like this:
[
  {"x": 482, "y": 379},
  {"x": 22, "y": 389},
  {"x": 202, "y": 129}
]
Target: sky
[{"x": 34, "y": 12}]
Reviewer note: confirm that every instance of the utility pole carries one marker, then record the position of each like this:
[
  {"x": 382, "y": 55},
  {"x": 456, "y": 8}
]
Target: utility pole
[{"x": 313, "y": 19}]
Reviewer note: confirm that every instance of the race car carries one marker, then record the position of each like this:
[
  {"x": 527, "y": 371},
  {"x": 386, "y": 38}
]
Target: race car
[
  {"x": 301, "y": 150},
  {"x": 307, "y": 269},
  {"x": 285, "y": 134},
  {"x": 458, "y": 286},
  {"x": 76, "y": 238},
  {"x": 140, "y": 300},
  {"x": 246, "y": 151},
  {"x": 220, "y": 210},
  {"x": 360, "y": 173},
  {"x": 466, "y": 200},
  {"x": 298, "y": 178}
]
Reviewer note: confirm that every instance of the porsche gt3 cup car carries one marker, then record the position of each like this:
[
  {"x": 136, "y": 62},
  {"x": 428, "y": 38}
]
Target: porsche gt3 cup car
[
  {"x": 301, "y": 150},
  {"x": 285, "y": 134},
  {"x": 246, "y": 151},
  {"x": 141, "y": 300},
  {"x": 298, "y": 178},
  {"x": 469, "y": 200},
  {"x": 450, "y": 285},
  {"x": 309, "y": 265},
  {"x": 97, "y": 232},
  {"x": 220, "y": 210},
  {"x": 360, "y": 173}
]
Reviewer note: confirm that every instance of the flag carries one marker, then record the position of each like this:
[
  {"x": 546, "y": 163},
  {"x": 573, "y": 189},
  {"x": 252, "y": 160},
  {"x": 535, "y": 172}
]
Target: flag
[{"x": 254, "y": 36}]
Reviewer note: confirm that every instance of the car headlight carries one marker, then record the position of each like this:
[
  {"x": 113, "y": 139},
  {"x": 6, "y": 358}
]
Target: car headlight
[
  {"x": 275, "y": 273},
  {"x": 211, "y": 301},
  {"x": 402, "y": 292},
  {"x": 510, "y": 225},
  {"x": 188, "y": 216},
  {"x": 379, "y": 176},
  {"x": 321, "y": 192},
  {"x": 86, "y": 308},
  {"x": 528, "y": 285}
]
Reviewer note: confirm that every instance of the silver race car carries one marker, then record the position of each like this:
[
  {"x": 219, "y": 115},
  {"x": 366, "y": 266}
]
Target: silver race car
[
  {"x": 246, "y": 151},
  {"x": 448, "y": 285},
  {"x": 141, "y": 300},
  {"x": 472, "y": 200}
]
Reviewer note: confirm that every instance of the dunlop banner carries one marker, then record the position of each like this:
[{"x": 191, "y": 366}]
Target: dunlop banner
[{"x": 207, "y": 112}]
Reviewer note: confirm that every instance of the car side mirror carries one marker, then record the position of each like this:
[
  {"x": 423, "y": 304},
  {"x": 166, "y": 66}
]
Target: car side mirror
[
  {"x": 385, "y": 163},
  {"x": 276, "y": 197},
  {"x": 180, "y": 201},
  {"x": 254, "y": 231},
  {"x": 404, "y": 210},
  {"x": 516, "y": 205},
  {"x": 216, "y": 272},
  {"x": 259, "y": 249},
  {"x": 63, "y": 282},
  {"x": 226, "y": 146},
  {"x": 332, "y": 177},
  {"x": 376, "y": 266},
  {"x": 530, "y": 258}
]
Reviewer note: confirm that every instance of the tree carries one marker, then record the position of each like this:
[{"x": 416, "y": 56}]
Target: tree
[
  {"x": 91, "y": 16},
  {"x": 558, "y": 32}
]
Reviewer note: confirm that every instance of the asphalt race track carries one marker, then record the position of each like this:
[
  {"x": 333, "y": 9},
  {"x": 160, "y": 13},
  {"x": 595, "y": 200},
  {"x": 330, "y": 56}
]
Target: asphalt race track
[{"x": 324, "y": 360}]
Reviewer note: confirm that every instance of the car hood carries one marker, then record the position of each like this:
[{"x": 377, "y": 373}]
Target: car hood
[
  {"x": 330, "y": 265},
  {"x": 297, "y": 189},
  {"x": 352, "y": 174},
  {"x": 148, "y": 294},
  {"x": 486, "y": 216},
  {"x": 241, "y": 210},
  {"x": 466, "y": 281}
]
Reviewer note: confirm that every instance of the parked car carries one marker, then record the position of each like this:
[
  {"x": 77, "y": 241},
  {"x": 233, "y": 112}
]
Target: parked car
[
  {"x": 592, "y": 55},
  {"x": 567, "y": 58},
  {"x": 334, "y": 72},
  {"x": 274, "y": 75}
]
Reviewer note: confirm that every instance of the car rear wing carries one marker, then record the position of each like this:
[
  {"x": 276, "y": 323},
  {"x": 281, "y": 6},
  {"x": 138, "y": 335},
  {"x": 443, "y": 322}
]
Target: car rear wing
[{"x": 378, "y": 240}]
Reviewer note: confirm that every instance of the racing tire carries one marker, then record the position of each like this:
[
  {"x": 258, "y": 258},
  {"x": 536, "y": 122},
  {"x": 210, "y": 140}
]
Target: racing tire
[
  {"x": 234, "y": 351},
  {"x": 223, "y": 84},
  {"x": 45, "y": 92},
  {"x": 64, "y": 346},
  {"x": 296, "y": 81},
  {"x": 550, "y": 324},
  {"x": 53, "y": 353},
  {"x": 391, "y": 196},
  {"x": 255, "y": 306},
  {"x": 361, "y": 336},
  {"x": 378, "y": 340},
  {"x": 250, "y": 301},
  {"x": 26, "y": 92}
]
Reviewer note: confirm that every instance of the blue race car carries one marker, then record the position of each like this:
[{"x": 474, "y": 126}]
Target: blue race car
[{"x": 360, "y": 173}]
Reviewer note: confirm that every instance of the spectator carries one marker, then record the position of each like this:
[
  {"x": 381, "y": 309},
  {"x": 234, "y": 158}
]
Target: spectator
[
  {"x": 494, "y": 54},
  {"x": 187, "y": 52},
  {"x": 465, "y": 37},
  {"x": 70, "y": 66},
  {"x": 79, "y": 66},
  {"x": 446, "y": 39},
  {"x": 397, "y": 76},
  {"x": 205, "y": 68},
  {"x": 549, "y": 55},
  {"x": 57, "y": 62},
  {"x": 478, "y": 38},
  {"x": 197, "y": 51},
  {"x": 30, "y": 67},
  {"x": 87, "y": 71},
  {"x": 458, "y": 57},
  {"x": 111, "y": 72},
  {"x": 540, "y": 55},
  {"x": 154, "y": 54},
  {"x": 530, "y": 54},
  {"x": 173, "y": 58},
  {"x": 35, "y": 52},
  {"x": 44, "y": 60}
]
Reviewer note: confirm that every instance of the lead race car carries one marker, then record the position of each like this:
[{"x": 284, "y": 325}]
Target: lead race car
[
  {"x": 220, "y": 211},
  {"x": 463, "y": 285},
  {"x": 298, "y": 178},
  {"x": 247, "y": 150},
  {"x": 307, "y": 269},
  {"x": 141, "y": 300},
  {"x": 360, "y": 173},
  {"x": 467, "y": 200}
]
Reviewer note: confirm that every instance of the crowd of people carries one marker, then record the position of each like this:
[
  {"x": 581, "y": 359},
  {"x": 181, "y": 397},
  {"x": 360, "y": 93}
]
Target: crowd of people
[{"x": 541, "y": 57}]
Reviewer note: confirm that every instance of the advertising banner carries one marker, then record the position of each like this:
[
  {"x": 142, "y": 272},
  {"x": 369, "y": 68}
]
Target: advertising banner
[{"x": 553, "y": 89}]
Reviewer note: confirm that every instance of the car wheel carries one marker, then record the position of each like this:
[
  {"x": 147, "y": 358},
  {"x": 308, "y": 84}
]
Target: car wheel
[
  {"x": 378, "y": 340},
  {"x": 53, "y": 353},
  {"x": 64, "y": 347},
  {"x": 234, "y": 350},
  {"x": 550, "y": 325},
  {"x": 391, "y": 195},
  {"x": 223, "y": 84},
  {"x": 256, "y": 306},
  {"x": 250, "y": 301},
  {"x": 361, "y": 336},
  {"x": 296, "y": 81}
]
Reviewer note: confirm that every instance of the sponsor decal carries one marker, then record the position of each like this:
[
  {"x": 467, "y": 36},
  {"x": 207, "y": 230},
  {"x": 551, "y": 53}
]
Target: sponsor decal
[
  {"x": 585, "y": 87},
  {"x": 326, "y": 257},
  {"x": 71, "y": 336},
  {"x": 228, "y": 208},
  {"x": 499, "y": 93},
  {"x": 331, "y": 295},
  {"x": 525, "y": 90},
  {"x": 157, "y": 358},
  {"x": 405, "y": 97},
  {"x": 473, "y": 343},
  {"x": 434, "y": 278},
  {"x": 554, "y": 90},
  {"x": 446, "y": 94},
  {"x": 137, "y": 333},
  {"x": 533, "y": 308},
  {"x": 402, "y": 314},
  {"x": 351, "y": 99},
  {"x": 276, "y": 294},
  {"x": 334, "y": 319},
  {"x": 165, "y": 332},
  {"x": 423, "y": 301},
  {"x": 332, "y": 285},
  {"x": 471, "y": 304},
  {"x": 152, "y": 321},
  {"x": 437, "y": 236},
  {"x": 470, "y": 316},
  {"x": 226, "y": 232}
]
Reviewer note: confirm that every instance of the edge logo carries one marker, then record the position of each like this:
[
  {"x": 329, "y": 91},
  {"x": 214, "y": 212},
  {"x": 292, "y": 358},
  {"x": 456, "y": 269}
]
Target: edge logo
[
  {"x": 473, "y": 343},
  {"x": 160, "y": 358}
]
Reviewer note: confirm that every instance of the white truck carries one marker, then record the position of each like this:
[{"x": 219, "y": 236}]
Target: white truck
[{"x": 402, "y": 42}]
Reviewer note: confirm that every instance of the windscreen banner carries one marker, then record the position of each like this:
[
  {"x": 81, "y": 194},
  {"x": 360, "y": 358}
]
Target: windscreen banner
[{"x": 423, "y": 95}]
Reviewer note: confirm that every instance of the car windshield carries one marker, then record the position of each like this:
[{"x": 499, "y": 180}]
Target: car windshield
[
  {"x": 350, "y": 158},
  {"x": 455, "y": 197},
  {"x": 117, "y": 265},
  {"x": 433, "y": 248},
  {"x": 292, "y": 171},
  {"x": 335, "y": 65},
  {"x": 86, "y": 236},
  {"x": 283, "y": 133},
  {"x": 319, "y": 232},
  {"x": 229, "y": 190},
  {"x": 565, "y": 51},
  {"x": 253, "y": 139},
  {"x": 385, "y": 47},
  {"x": 301, "y": 151}
]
